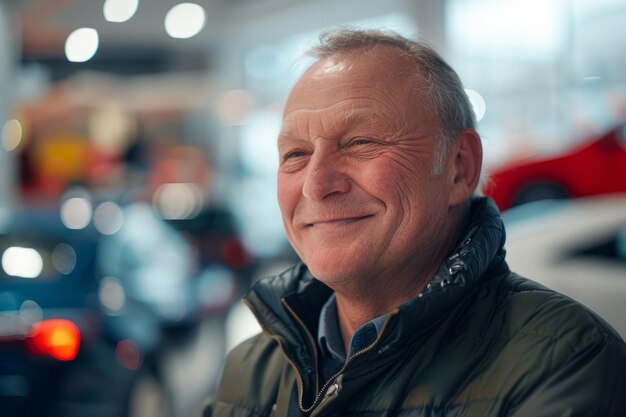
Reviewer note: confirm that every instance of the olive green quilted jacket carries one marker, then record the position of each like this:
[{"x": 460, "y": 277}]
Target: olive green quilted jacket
[{"x": 481, "y": 342}]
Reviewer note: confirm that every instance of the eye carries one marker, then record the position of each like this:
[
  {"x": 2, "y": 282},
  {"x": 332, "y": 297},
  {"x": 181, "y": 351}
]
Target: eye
[
  {"x": 362, "y": 147},
  {"x": 360, "y": 141},
  {"x": 293, "y": 154}
]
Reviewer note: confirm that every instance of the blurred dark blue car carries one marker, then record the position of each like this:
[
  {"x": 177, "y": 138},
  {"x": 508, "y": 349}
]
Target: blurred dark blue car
[{"x": 93, "y": 305}]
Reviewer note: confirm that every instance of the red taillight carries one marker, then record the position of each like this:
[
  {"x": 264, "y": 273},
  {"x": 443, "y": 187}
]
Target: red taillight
[{"x": 58, "y": 338}]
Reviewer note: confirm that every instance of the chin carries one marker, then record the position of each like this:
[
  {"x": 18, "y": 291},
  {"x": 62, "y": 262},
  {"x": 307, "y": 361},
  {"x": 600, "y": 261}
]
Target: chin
[{"x": 334, "y": 269}]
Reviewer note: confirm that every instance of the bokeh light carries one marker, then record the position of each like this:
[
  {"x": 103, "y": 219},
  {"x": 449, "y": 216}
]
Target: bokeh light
[
  {"x": 178, "y": 200},
  {"x": 108, "y": 218},
  {"x": 128, "y": 354},
  {"x": 118, "y": 11},
  {"x": 81, "y": 45},
  {"x": 111, "y": 294},
  {"x": 64, "y": 258},
  {"x": 12, "y": 133},
  {"x": 185, "y": 20},
  {"x": 478, "y": 103},
  {"x": 22, "y": 262},
  {"x": 76, "y": 213}
]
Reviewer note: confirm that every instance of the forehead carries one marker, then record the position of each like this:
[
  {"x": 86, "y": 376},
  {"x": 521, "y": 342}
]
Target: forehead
[
  {"x": 382, "y": 74},
  {"x": 378, "y": 91}
]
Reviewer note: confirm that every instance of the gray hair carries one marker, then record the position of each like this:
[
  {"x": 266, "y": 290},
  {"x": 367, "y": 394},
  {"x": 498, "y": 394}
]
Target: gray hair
[{"x": 444, "y": 89}]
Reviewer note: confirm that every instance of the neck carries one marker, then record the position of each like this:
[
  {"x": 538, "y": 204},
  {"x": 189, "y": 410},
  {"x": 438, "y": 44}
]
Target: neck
[{"x": 355, "y": 308}]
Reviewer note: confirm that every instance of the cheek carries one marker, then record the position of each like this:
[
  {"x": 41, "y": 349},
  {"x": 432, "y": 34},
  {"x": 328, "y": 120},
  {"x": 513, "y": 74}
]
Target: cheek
[
  {"x": 412, "y": 199},
  {"x": 288, "y": 195},
  {"x": 394, "y": 184}
]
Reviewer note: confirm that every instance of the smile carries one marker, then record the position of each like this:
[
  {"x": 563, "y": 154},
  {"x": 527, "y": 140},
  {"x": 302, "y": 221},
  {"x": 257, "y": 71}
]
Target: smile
[{"x": 337, "y": 222}]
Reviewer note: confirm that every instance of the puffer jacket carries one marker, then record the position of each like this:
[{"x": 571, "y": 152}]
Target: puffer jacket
[{"x": 481, "y": 341}]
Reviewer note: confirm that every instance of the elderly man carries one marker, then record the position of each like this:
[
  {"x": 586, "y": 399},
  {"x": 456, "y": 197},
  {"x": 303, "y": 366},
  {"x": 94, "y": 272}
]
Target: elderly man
[{"x": 403, "y": 304}]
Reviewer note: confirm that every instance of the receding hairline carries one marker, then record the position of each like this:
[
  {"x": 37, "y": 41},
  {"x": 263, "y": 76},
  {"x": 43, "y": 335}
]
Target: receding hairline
[
  {"x": 418, "y": 55},
  {"x": 322, "y": 52},
  {"x": 347, "y": 41},
  {"x": 350, "y": 39}
]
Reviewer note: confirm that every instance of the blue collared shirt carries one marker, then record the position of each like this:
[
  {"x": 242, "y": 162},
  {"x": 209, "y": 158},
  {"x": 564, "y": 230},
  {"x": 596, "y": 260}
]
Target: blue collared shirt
[{"x": 329, "y": 335}]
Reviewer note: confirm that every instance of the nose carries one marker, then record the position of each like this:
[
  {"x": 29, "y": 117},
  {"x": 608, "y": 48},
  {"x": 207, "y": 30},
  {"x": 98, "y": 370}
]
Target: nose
[{"x": 324, "y": 178}]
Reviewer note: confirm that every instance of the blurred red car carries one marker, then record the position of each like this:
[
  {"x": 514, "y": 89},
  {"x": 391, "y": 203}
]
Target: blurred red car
[{"x": 596, "y": 167}]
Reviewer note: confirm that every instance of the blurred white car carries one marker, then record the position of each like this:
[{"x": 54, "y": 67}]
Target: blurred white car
[{"x": 576, "y": 247}]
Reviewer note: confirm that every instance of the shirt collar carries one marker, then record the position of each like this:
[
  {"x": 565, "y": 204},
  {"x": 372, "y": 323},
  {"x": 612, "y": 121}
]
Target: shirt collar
[{"x": 329, "y": 335}]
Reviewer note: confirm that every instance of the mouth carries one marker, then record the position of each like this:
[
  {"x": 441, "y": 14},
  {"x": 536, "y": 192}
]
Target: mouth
[{"x": 337, "y": 222}]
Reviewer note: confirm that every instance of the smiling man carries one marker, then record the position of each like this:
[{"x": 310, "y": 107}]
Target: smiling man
[{"x": 403, "y": 304}]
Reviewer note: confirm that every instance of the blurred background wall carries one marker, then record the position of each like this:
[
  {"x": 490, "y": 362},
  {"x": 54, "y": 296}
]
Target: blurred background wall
[{"x": 154, "y": 124}]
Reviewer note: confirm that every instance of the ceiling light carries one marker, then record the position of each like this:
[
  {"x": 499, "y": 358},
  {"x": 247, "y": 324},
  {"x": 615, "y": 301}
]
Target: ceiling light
[
  {"x": 81, "y": 45},
  {"x": 184, "y": 20},
  {"x": 119, "y": 10}
]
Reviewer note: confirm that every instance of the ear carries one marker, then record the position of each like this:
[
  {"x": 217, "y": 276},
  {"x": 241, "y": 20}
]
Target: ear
[{"x": 467, "y": 159}]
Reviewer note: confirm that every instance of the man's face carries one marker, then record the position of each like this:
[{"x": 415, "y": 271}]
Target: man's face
[{"x": 354, "y": 184}]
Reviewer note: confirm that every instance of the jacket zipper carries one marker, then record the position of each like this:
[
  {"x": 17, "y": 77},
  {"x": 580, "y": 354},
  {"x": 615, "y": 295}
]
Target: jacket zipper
[
  {"x": 299, "y": 378},
  {"x": 356, "y": 354},
  {"x": 348, "y": 362}
]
